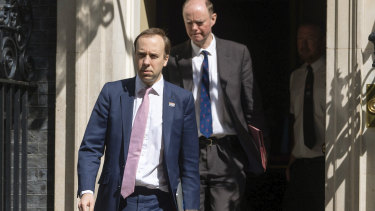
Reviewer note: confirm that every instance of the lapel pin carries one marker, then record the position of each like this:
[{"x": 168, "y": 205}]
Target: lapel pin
[{"x": 172, "y": 104}]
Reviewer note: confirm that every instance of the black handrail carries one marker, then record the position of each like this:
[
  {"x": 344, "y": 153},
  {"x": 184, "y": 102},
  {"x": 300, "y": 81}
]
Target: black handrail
[{"x": 371, "y": 38}]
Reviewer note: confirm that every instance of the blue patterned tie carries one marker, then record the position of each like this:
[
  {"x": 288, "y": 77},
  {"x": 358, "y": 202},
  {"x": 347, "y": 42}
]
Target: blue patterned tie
[{"x": 205, "y": 103}]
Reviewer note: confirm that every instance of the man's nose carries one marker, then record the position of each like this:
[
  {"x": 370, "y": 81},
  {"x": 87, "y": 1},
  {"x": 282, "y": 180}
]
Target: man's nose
[
  {"x": 195, "y": 26},
  {"x": 146, "y": 60}
]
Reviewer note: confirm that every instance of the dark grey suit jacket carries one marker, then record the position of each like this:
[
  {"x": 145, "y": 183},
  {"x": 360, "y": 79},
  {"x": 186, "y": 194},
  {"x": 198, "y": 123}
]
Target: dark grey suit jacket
[{"x": 237, "y": 82}]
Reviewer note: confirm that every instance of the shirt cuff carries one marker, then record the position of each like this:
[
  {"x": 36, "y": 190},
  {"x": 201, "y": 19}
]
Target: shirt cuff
[{"x": 85, "y": 191}]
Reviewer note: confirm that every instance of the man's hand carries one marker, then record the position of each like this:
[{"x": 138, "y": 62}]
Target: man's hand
[
  {"x": 287, "y": 170},
  {"x": 287, "y": 173},
  {"x": 87, "y": 200}
]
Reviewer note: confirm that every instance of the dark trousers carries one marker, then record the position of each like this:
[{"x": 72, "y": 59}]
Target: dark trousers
[
  {"x": 146, "y": 199},
  {"x": 305, "y": 190},
  {"x": 221, "y": 167}
]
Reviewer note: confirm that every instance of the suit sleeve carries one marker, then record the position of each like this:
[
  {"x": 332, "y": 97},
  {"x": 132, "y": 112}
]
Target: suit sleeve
[
  {"x": 93, "y": 143},
  {"x": 251, "y": 98},
  {"x": 247, "y": 85},
  {"x": 189, "y": 158}
]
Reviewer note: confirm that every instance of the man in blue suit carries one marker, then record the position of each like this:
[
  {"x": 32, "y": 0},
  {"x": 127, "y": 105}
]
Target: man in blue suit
[{"x": 167, "y": 152}]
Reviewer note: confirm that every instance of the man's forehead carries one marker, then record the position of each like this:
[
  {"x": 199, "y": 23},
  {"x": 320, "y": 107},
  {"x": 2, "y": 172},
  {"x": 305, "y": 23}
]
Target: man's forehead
[
  {"x": 154, "y": 50},
  {"x": 194, "y": 8},
  {"x": 200, "y": 19},
  {"x": 310, "y": 34},
  {"x": 309, "y": 29},
  {"x": 150, "y": 38}
]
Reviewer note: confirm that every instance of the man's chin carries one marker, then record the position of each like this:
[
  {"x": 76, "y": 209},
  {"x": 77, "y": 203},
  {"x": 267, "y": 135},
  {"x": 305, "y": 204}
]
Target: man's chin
[
  {"x": 148, "y": 80},
  {"x": 304, "y": 57},
  {"x": 196, "y": 39}
]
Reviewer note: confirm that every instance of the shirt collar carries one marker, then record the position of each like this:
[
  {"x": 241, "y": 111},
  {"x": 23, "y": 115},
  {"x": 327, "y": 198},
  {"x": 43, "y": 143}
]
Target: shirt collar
[
  {"x": 317, "y": 64},
  {"x": 157, "y": 87},
  {"x": 211, "y": 48}
]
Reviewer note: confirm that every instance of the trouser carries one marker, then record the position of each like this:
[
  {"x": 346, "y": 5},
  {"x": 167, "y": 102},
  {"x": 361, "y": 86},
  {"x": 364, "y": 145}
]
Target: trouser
[
  {"x": 305, "y": 190},
  {"x": 222, "y": 175},
  {"x": 146, "y": 199}
]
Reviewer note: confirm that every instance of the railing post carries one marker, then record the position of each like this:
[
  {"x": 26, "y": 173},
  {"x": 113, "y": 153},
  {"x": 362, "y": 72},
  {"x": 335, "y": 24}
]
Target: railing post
[
  {"x": 7, "y": 160},
  {"x": 16, "y": 151},
  {"x": 25, "y": 112},
  {"x": 2, "y": 138}
]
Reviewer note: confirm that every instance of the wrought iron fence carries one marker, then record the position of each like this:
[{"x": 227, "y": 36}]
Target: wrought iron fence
[
  {"x": 15, "y": 32},
  {"x": 15, "y": 76},
  {"x": 13, "y": 147}
]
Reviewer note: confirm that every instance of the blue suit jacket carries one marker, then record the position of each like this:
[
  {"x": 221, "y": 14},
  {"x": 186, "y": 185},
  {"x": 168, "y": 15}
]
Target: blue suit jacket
[{"x": 109, "y": 130}]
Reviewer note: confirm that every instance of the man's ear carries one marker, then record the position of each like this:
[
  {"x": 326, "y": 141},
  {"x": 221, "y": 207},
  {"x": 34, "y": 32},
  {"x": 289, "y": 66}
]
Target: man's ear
[
  {"x": 213, "y": 19},
  {"x": 166, "y": 60}
]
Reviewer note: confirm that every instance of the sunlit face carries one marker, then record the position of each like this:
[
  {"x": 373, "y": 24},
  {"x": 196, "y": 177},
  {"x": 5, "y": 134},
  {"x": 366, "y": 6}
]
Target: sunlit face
[
  {"x": 198, "y": 23},
  {"x": 309, "y": 43},
  {"x": 150, "y": 57}
]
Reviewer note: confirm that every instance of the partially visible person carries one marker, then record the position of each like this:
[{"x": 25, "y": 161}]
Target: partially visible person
[
  {"x": 219, "y": 73},
  {"x": 147, "y": 130},
  {"x": 305, "y": 172}
]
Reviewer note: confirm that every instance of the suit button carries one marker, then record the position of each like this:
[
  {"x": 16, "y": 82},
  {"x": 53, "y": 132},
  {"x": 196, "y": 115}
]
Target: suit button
[{"x": 119, "y": 187}]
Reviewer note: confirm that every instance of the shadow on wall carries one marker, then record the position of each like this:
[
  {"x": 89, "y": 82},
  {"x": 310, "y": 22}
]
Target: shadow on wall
[
  {"x": 128, "y": 42},
  {"x": 369, "y": 55},
  {"x": 75, "y": 35},
  {"x": 344, "y": 152},
  {"x": 90, "y": 16},
  {"x": 78, "y": 32}
]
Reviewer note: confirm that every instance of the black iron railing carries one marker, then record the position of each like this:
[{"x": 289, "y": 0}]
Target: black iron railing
[
  {"x": 13, "y": 147},
  {"x": 15, "y": 32},
  {"x": 15, "y": 76}
]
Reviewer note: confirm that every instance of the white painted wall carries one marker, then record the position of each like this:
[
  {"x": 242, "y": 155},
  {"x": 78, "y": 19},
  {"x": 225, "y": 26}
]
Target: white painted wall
[
  {"x": 350, "y": 145},
  {"x": 94, "y": 46}
]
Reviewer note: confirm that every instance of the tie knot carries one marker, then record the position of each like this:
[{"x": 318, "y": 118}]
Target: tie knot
[
  {"x": 204, "y": 52},
  {"x": 145, "y": 91},
  {"x": 309, "y": 68}
]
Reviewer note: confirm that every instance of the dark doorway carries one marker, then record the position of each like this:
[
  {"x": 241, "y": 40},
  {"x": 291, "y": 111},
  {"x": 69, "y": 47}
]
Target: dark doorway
[{"x": 268, "y": 28}]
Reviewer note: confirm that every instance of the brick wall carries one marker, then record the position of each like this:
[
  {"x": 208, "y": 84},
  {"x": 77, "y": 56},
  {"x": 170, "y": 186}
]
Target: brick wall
[{"x": 41, "y": 120}]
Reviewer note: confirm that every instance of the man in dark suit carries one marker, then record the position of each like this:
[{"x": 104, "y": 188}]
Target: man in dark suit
[
  {"x": 146, "y": 128},
  {"x": 219, "y": 73}
]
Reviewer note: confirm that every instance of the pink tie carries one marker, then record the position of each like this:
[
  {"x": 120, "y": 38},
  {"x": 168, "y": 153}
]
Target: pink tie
[{"x": 135, "y": 146}]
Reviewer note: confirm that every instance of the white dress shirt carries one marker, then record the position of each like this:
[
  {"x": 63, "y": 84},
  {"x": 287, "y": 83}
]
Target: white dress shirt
[
  {"x": 297, "y": 89},
  {"x": 150, "y": 168},
  {"x": 221, "y": 122}
]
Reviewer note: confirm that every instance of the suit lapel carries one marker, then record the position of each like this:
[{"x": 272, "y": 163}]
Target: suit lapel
[
  {"x": 127, "y": 101},
  {"x": 168, "y": 112},
  {"x": 185, "y": 64}
]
